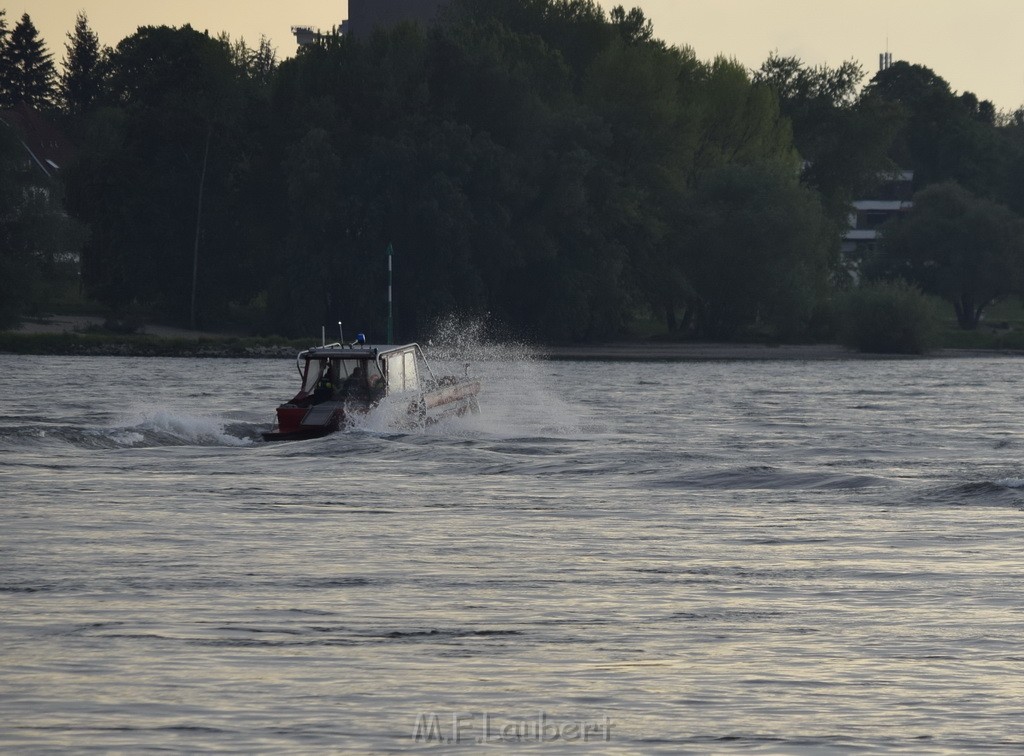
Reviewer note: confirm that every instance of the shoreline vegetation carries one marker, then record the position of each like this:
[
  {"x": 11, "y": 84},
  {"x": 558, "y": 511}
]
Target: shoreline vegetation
[
  {"x": 549, "y": 164},
  {"x": 82, "y": 337}
]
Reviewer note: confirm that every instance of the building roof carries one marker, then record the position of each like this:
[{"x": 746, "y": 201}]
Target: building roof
[{"x": 48, "y": 148}]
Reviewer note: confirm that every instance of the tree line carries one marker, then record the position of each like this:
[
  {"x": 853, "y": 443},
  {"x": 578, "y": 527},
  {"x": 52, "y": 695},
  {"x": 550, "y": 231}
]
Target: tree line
[{"x": 543, "y": 162}]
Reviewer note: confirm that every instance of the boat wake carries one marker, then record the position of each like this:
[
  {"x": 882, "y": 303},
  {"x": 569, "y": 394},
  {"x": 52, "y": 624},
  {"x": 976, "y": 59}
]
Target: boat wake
[
  {"x": 154, "y": 428},
  {"x": 166, "y": 427}
]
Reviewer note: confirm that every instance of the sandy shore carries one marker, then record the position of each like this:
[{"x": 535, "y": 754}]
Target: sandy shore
[
  {"x": 80, "y": 323},
  {"x": 698, "y": 351}
]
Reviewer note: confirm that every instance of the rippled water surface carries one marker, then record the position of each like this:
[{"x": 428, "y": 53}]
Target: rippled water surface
[{"x": 767, "y": 557}]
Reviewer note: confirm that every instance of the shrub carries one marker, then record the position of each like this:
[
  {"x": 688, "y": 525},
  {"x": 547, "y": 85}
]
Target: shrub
[{"x": 888, "y": 317}]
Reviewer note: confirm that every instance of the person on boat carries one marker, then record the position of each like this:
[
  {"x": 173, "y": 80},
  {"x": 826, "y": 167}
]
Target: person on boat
[
  {"x": 376, "y": 386},
  {"x": 355, "y": 383},
  {"x": 325, "y": 387}
]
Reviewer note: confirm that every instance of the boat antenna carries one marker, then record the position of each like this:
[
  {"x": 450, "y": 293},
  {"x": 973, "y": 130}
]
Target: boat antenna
[
  {"x": 323, "y": 335},
  {"x": 341, "y": 333}
]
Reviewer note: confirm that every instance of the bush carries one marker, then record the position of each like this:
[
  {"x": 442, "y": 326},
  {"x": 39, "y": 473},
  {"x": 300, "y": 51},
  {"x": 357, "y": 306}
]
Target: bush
[{"x": 888, "y": 317}]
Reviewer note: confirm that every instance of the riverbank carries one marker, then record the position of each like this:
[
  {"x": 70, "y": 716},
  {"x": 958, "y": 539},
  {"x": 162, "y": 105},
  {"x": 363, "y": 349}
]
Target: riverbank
[
  {"x": 654, "y": 351},
  {"x": 703, "y": 352},
  {"x": 144, "y": 345},
  {"x": 223, "y": 346},
  {"x": 83, "y": 335}
]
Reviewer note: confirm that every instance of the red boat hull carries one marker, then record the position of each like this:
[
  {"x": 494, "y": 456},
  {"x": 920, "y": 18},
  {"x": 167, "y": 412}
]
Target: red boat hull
[{"x": 291, "y": 425}]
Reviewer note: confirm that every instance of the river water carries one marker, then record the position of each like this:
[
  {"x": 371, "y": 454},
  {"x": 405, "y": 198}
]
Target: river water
[{"x": 713, "y": 557}]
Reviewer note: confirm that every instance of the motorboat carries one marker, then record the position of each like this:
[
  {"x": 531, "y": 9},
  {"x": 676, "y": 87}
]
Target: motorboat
[{"x": 342, "y": 380}]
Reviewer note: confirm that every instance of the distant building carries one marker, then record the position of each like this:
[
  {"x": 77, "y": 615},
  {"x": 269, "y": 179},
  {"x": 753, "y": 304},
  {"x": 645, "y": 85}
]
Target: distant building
[
  {"x": 891, "y": 199},
  {"x": 306, "y": 35},
  {"x": 366, "y": 15},
  {"x": 47, "y": 150}
]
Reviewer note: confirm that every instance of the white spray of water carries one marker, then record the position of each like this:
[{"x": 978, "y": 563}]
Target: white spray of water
[
  {"x": 166, "y": 425},
  {"x": 1011, "y": 482},
  {"x": 520, "y": 397}
]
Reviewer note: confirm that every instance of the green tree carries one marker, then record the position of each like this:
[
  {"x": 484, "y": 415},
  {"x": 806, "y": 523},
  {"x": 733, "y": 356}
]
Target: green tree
[
  {"x": 740, "y": 121},
  {"x": 761, "y": 249},
  {"x": 1011, "y": 133},
  {"x": 543, "y": 161},
  {"x": 5, "y": 67},
  {"x": 262, "y": 62},
  {"x": 27, "y": 67},
  {"x": 843, "y": 138},
  {"x": 965, "y": 249},
  {"x": 145, "y": 164},
  {"x": 255, "y": 65},
  {"x": 18, "y": 274},
  {"x": 944, "y": 137},
  {"x": 644, "y": 94},
  {"x": 81, "y": 83},
  {"x": 633, "y": 25}
]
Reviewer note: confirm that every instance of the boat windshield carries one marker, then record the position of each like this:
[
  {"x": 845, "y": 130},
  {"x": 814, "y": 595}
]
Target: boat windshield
[
  {"x": 338, "y": 371},
  {"x": 368, "y": 368}
]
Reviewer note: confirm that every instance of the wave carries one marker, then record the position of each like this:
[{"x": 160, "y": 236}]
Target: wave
[
  {"x": 163, "y": 427},
  {"x": 1004, "y": 492},
  {"x": 156, "y": 427},
  {"x": 772, "y": 478}
]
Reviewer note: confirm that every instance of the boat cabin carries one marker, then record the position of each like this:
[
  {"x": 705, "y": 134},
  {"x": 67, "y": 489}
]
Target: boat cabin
[
  {"x": 341, "y": 379},
  {"x": 343, "y": 372}
]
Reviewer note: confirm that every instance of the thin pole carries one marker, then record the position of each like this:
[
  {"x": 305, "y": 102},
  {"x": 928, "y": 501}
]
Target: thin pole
[
  {"x": 195, "y": 248},
  {"x": 391, "y": 321}
]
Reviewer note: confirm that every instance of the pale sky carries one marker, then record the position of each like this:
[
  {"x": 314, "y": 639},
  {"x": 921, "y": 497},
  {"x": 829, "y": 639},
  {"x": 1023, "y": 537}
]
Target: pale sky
[{"x": 975, "y": 46}]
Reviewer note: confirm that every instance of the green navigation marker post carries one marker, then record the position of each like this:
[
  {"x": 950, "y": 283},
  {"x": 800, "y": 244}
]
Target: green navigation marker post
[{"x": 391, "y": 319}]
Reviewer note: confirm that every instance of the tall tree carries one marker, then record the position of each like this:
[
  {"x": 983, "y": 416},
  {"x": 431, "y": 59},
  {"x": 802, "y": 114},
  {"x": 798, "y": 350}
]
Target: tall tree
[
  {"x": 255, "y": 65},
  {"x": 634, "y": 25},
  {"x": 17, "y": 272},
  {"x": 945, "y": 137},
  {"x": 145, "y": 168},
  {"x": 82, "y": 80},
  {"x": 761, "y": 251},
  {"x": 263, "y": 62},
  {"x": 965, "y": 249},
  {"x": 28, "y": 66},
  {"x": 5, "y": 68},
  {"x": 844, "y": 139}
]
